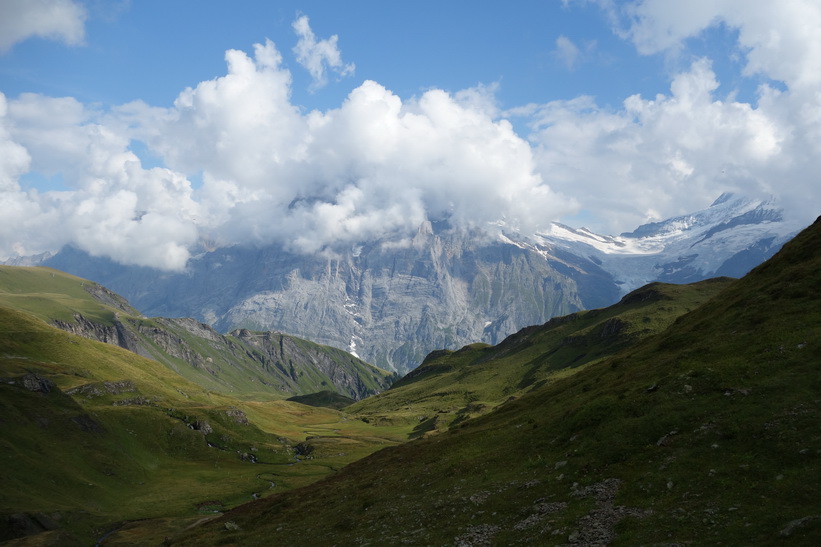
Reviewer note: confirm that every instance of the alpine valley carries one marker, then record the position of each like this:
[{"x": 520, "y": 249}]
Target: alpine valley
[
  {"x": 393, "y": 301},
  {"x": 681, "y": 414}
]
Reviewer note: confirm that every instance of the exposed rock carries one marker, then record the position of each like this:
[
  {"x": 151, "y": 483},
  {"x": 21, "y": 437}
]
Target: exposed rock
[
  {"x": 203, "y": 427},
  {"x": 540, "y": 510},
  {"x": 477, "y": 536},
  {"x": 134, "y": 401},
  {"x": 98, "y": 389},
  {"x": 599, "y": 526},
  {"x": 796, "y": 524},
  {"x": 36, "y": 383},
  {"x": 280, "y": 360},
  {"x": 294, "y": 358},
  {"x": 393, "y": 301},
  {"x": 303, "y": 449},
  {"x": 116, "y": 334},
  {"x": 237, "y": 415}
]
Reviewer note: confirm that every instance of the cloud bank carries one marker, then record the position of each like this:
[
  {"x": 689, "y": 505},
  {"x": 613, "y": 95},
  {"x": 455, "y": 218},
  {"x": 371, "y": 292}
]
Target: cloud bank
[
  {"x": 314, "y": 181},
  {"x": 62, "y": 20},
  {"x": 242, "y": 164}
]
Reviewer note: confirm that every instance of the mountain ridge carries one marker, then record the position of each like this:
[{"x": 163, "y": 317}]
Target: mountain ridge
[
  {"x": 265, "y": 365},
  {"x": 391, "y": 302},
  {"x": 705, "y": 433}
]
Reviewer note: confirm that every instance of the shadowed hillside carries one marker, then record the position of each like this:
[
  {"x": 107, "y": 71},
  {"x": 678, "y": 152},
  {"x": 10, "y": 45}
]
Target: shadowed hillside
[
  {"x": 451, "y": 386},
  {"x": 704, "y": 434}
]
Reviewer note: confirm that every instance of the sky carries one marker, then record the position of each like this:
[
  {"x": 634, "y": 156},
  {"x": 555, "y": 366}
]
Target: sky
[{"x": 146, "y": 130}]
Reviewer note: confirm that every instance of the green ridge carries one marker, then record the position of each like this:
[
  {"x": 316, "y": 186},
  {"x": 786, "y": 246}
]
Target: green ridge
[
  {"x": 704, "y": 434},
  {"x": 244, "y": 364},
  {"x": 451, "y": 386},
  {"x": 93, "y": 435}
]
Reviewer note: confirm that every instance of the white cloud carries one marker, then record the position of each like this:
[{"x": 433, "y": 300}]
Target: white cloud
[
  {"x": 780, "y": 39},
  {"x": 374, "y": 167},
  {"x": 62, "y": 20},
  {"x": 674, "y": 153},
  {"x": 113, "y": 207},
  {"x": 318, "y": 55},
  {"x": 567, "y": 52},
  {"x": 379, "y": 165}
]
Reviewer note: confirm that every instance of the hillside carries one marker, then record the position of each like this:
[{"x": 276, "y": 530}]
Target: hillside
[
  {"x": 245, "y": 364},
  {"x": 94, "y": 435},
  {"x": 451, "y": 386},
  {"x": 704, "y": 434}
]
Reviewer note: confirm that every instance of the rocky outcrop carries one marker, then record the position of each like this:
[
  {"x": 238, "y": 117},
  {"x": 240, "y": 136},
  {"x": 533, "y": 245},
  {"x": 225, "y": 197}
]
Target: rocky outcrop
[
  {"x": 99, "y": 389},
  {"x": 291, "y": 356},
  {"x": 276, "y": 362},
  {"x": 116, "y": 333}
]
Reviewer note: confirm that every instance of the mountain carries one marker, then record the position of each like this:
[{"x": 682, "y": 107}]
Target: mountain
[
  {"x": 728, "y": 238},
  {"x": 247, "y": 364},
  {"x": 704, "y": 433},
  {"x": 452, "y": 386},
  {"x": 391, "y": 302},
  {"x": 93, "y": 435}
]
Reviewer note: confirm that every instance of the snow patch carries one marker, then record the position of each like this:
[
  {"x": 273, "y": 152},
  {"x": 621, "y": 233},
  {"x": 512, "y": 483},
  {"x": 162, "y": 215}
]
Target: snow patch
[{"x": 352, "y": 346}]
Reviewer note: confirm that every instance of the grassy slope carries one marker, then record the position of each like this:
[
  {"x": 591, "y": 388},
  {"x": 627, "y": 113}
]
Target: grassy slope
[
  {"x": 51, "y": 294},
  {"x": 227, "y": 365},
  {"x": 704, "y": 434},
  {"x": 86, "y": 461},
  {"x": 452, "y": 386}
]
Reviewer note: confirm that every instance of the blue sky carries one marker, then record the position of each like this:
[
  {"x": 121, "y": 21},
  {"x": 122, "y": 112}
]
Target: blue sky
[
  {"x": 133, "y": 116},
  {"x": 151, "y": 50}
]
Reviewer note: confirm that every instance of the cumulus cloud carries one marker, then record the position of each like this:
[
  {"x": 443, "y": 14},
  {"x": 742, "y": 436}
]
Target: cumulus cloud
[
  {"x": 113, "y": 207},
  {"x": 62, "y": 20},
  {"x": 779, "y": 39},
  {"x": 375, "y": 167},
  {"x": 671, "y": 154},
  {"x": 318, "y": 55},
  {"x": 379, "y": 165}
]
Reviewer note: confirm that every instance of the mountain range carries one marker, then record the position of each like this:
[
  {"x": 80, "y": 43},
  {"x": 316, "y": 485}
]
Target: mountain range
[
  {"x": 704, "y": 432},
  {"x": 682, "y": 414},
  {"x": 391, "y": 302}
]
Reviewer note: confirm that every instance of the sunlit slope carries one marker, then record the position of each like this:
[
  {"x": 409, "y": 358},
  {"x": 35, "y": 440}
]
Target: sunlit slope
[
  {"x": 451, "y": 386},
  {"x": 704, "y": 435},
  {"x": 54, "y": 295},
  {"x": 243, "y": 364},
  {"x": 92, "y": 434}
]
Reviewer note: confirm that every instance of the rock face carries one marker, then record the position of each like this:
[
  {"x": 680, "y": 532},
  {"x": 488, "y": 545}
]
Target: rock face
[
  {"x": 116, "y": 334},
  {"x": 242, "y": 360},
  {"x": 298, "y": 358},
  {"x": 391, "y": 302}
]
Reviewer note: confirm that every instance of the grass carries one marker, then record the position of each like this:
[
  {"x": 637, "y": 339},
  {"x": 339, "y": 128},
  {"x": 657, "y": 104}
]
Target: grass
[
  {"x": 50, "y": 294},
  {"x": 247, "y": 365},
  {"x": 93, "y": 462},
  {"x": 705, "y": 433},
  {"x": 450, "y": 387}
]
